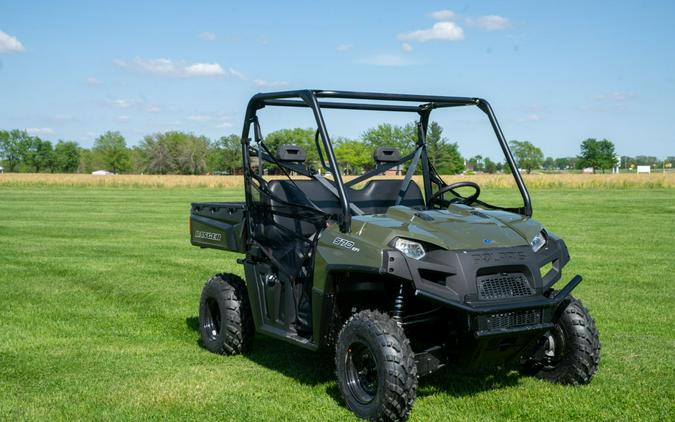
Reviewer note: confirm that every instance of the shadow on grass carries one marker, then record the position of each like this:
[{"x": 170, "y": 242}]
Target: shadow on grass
[
  {"x": 460, "y": 382},
  {"x": 307, "y": 367},
  {"x": 313, "y": 368},
  {"x": 192, "y": 323}
]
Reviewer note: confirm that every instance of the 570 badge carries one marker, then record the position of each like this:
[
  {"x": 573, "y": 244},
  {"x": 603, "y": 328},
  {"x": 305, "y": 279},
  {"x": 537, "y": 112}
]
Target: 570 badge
[{"x": 347, "y": 244}]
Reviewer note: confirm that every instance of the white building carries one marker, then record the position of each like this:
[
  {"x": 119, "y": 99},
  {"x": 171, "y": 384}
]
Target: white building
[{"x": 101, "y": 173}]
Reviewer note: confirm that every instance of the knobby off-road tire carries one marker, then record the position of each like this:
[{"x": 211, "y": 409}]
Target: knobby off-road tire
[
  {"x": 576, "y": 352},
  {"x": 375, "y": 367},
  {"x": 225, "y": 320}
]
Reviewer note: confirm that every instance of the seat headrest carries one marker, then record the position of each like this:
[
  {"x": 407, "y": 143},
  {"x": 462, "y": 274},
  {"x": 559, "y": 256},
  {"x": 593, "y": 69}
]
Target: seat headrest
[
  {"x": 386, "y": 155},
  {"x": 291, "y": 153}
]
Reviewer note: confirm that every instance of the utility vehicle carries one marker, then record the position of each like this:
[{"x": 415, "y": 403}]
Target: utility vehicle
[{"x": 400, "y": 279}]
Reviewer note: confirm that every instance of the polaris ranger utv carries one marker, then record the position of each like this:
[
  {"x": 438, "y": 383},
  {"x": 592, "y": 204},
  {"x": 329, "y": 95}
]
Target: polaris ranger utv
[{"x": 399, "y": 279}]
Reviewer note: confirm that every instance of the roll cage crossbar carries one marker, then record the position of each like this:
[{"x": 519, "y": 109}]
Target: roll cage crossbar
[{"x": 320, "y": 99}]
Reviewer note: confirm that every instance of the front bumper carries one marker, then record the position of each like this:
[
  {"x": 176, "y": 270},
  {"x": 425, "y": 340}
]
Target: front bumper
[
  {"x": 509, "y": 317},
  {"x": 453, "y": 278}
]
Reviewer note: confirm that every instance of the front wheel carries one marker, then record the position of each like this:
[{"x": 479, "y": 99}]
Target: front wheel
[
  {"x": 570, "y": 352},
  {"x": 375, "y": 367}
]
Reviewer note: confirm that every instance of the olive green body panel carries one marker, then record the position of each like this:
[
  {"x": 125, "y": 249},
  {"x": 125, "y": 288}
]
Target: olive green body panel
[
  {"x": 457, "y": 228},
  {"x": 218, "y": 225}
]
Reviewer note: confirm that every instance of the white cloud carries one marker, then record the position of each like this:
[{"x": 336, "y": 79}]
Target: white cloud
[
  {"x": 157, "y": 66},
  {"x": 389, "y": 60},
  {"x": 200, "y": 117},
  {"x": 261, "y": 83},
  {"x": 490, "y": 22},
  {"x": 406, "y": 47},
  {"x": 224, "y": 125},
  {"x": 123, "y": 118},
  {"x": 93, "y": 81},
  {"x": 444, "y": 31},
  {"x": 9, "y": 44},
  {"x": 153, "y": 109},
  {"x": 121, "y": 103},
  {"x": 443, "y": 15},
  {"x": 342, "y": 48},
  {"x": 40, "y": 131},
  {"x": 167, "y": 67},
  {"x": 208, "y": 36},
  {"x": 204, "y": 69},
  {"x": 237, "y": 74},
  {"x": 533, "y": 117},
  {"x": 616, "y": 97}
]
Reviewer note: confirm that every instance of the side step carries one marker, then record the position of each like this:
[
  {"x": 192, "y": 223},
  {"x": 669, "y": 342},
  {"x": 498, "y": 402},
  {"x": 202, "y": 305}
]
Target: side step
[{"x": 288, "y": 336}]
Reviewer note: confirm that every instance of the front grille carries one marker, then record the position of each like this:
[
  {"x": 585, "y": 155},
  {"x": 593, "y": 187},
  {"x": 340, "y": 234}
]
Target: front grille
[
  {"x": 504, "y": 285},
  {"x": 513, "y": 319}
]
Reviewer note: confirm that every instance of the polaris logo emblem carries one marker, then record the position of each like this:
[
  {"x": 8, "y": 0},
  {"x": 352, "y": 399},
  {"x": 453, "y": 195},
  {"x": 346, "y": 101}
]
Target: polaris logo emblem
[
  {"x": 208, "y": 235},
  {"x": 498, "y": 257},
  {"x": 347, "y": 244}
]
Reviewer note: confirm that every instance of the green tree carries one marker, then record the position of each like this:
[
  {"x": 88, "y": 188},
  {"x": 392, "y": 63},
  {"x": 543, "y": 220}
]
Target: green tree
[
  {"x": 225, "y": 155},
  {"x": 527, "y": 155},
  {"x": 111, "y": 149},
  {"x": 549, "y": 163},
  {"x": 475, "y": 163},
  {"x": 154, "y": 156},
  {"x": 88, "y": 161},
  {"x": 303, "y": 138},
  {"x": 388, "y": 135},
  {"x": 597, "y": 154},
  {"x": 137, "y": 160},
  {"x": 40, "y": 155},
  {"x": 563, "y": 163},
  {"x": 490, "y": 166},
  {"x": 353, "y": 156},
  {"x": 4, "y": 146},
  {"x": 173, "y": 152},
  {"x": 444, "y": 156},
  {"x": 191, "y": 154},
  {"x": 66, "y": 156},
  {"x": 14, "y": 148}
]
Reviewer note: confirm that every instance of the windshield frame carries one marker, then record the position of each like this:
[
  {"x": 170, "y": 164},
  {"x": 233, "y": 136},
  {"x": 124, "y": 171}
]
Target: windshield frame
[{"x": 314, "y": 100}]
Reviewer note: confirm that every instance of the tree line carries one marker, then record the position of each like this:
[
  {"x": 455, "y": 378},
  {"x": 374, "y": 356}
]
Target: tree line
[
  {"x": 176, "y": 152},
  {"x": 594, "y": 154}
]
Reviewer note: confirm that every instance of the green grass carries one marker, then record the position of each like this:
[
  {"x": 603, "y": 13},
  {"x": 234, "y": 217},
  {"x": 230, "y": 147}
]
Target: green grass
[{"x": 98, "y": 304}]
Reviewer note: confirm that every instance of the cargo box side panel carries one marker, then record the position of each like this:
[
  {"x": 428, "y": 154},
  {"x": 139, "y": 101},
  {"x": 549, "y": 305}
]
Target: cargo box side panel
[{"x": 218, "y": 226}]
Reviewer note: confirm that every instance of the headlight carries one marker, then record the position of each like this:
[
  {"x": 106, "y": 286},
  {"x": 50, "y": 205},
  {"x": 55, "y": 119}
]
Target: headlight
[
  {"x": 539, "y": 241},
  {"x": 409, "y": 248}
]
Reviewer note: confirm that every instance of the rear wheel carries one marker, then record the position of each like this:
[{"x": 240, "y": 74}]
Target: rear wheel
[
  {"x": 375, "y": 367},
  {"x": 570, "y": 352},
  {"x": 225, "y": 320}
]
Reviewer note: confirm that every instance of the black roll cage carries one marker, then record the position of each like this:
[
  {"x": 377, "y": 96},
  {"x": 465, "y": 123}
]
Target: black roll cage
[{"x": 313, "y": 99}]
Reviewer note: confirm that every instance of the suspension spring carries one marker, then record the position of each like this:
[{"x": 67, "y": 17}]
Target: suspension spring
[{"x": 398, "y": 304}]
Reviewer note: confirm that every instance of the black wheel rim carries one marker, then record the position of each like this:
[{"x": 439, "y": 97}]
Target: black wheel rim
[
  {"x": 361, "y": 372},
  {"x": 212, "y": 319},
  {"x": 558, "y": 349}
]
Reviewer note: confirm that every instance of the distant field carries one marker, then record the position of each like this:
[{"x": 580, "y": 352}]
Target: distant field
[
  {"x": 98, "y": 312},
  {"x": 582, "y": 181}
]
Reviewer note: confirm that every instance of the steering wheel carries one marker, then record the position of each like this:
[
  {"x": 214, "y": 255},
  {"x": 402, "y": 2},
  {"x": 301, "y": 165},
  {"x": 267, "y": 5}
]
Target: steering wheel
[{"x": 459, "y": 198}]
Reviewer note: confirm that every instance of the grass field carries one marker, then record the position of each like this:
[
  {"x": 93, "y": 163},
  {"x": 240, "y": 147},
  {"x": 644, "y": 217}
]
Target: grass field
[{"x": 98, "y": 316}]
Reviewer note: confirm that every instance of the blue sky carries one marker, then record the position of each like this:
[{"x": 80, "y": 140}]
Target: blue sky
[{"x": 555, "y": 72}]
